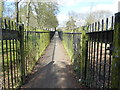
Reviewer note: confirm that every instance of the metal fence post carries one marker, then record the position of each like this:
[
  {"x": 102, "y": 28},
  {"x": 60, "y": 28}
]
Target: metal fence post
[
  {"x": 1, "y": 79},
  {"x": 86, "y": 61},
  {"x": 116, "y": 54},
  {"x": 22, "y": 53}
]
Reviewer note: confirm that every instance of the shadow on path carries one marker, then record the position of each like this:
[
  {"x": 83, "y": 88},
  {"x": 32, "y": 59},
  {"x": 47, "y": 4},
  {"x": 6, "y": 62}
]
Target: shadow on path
[{"x": 52, "y": 71}]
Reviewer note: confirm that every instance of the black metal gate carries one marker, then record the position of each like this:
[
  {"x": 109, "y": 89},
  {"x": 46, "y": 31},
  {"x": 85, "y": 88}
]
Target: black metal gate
[
  {"x": 92, "y": 52},
  {"x": 99, "y": 53},
  {"x": 19, "y": 51}
]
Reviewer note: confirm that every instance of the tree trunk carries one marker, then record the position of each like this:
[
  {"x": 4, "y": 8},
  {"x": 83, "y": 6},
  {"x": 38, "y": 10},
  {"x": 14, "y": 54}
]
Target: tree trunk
[
  {"x": 28, "y": 13},
  {"x": 17, "y": 11},
  {"x": 1, "y": 8}
]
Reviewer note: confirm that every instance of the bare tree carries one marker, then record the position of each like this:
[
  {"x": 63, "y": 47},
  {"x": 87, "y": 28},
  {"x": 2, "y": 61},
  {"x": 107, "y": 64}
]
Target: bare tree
[{"x": 96, "y": 16}]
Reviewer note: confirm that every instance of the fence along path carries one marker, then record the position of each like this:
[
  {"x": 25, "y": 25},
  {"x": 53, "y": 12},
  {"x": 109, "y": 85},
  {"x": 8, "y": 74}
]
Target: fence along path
[
  {"x": 53, "y": 69},
  {"x": 20, "y": 49},
  {"x": 95, "y": 52}
]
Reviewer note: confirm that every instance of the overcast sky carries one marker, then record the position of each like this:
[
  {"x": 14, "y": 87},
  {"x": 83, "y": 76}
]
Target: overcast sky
[{"x": 84, "y": 6}]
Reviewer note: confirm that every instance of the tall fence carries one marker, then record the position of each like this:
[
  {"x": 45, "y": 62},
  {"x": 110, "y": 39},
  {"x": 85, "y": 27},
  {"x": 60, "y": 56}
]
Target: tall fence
[
  {"x": 20, "y": 49},
  {"x": 99, "y": 54},
  {"x": 95, "y": 53}
]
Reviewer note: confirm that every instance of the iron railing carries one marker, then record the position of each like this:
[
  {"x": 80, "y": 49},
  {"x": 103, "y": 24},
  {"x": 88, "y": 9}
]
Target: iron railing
[
  {"x": 20, "y": 49},
  {"x": 91, "y": 52}
]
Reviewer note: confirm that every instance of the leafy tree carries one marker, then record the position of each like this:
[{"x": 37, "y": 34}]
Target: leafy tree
[
  {"x": 39, "y": 14},
  {"x": 35, "y": 14},
  {"x": 46, "y": 14},
  {"x": 70, "y": 24}
]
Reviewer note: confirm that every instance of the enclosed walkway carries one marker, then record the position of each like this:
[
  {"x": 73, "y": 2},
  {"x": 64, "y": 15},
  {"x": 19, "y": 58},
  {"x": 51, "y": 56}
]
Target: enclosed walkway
[{"x": 53, "y": 69}]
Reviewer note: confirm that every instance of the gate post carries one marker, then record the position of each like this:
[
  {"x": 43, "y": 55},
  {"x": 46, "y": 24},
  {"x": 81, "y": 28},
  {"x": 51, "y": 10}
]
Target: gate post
[
  {"x": 115, "y": 83},
  {"x": 22, "y": 63}
]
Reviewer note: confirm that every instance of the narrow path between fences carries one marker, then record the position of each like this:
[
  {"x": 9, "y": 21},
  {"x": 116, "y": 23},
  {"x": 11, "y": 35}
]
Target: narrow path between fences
[{"x": 53, "y": 69}]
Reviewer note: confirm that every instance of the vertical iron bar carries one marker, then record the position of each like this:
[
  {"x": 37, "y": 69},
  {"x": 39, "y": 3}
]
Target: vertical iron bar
[
  {"x": 86, "y": 60},
  {"x": 91, "y": 58},
  {"x": 11, "y": 58},
  {"x": 14, "y": 62},
  {"x": 26, "y": 48},
  {"x": 94, "y": 57},
  {"x": 97, "y": 55},
  {"x": 94, "y": 62},
  {"x": 7, "y": 64},
  {"x": 102, "y": 25},
  {"x": 112, "y": 23},
  {"x": 90, "y": 47},
  {"x": 104, "y": 67},
  {"x": 101, "y": 53},
  {"x": 5, "y": 27},
  {"x": 95, "y": 26},
  {"x": 90, "y": 27},
  {"x": 14, "y": 58},
  {"x": 97, "y": 63},
  {"x": 12, "y": 54},
  {"x": 3, "y": 65},
  {"x": 110, "y": 55},
  {"x": 17, "y": 55},
  {"x": 22, "y": 53},
  {"x": 17, "y": 60},
  {"x": 11, "y": 64},
  {"x": 105, "y": 54},
  {"x": 25, "y": 37},
  {"x": 89, "y": 63}
]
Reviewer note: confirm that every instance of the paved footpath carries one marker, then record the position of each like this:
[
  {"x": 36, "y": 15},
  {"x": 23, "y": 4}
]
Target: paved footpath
[{"x": 53, "y": 69}]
